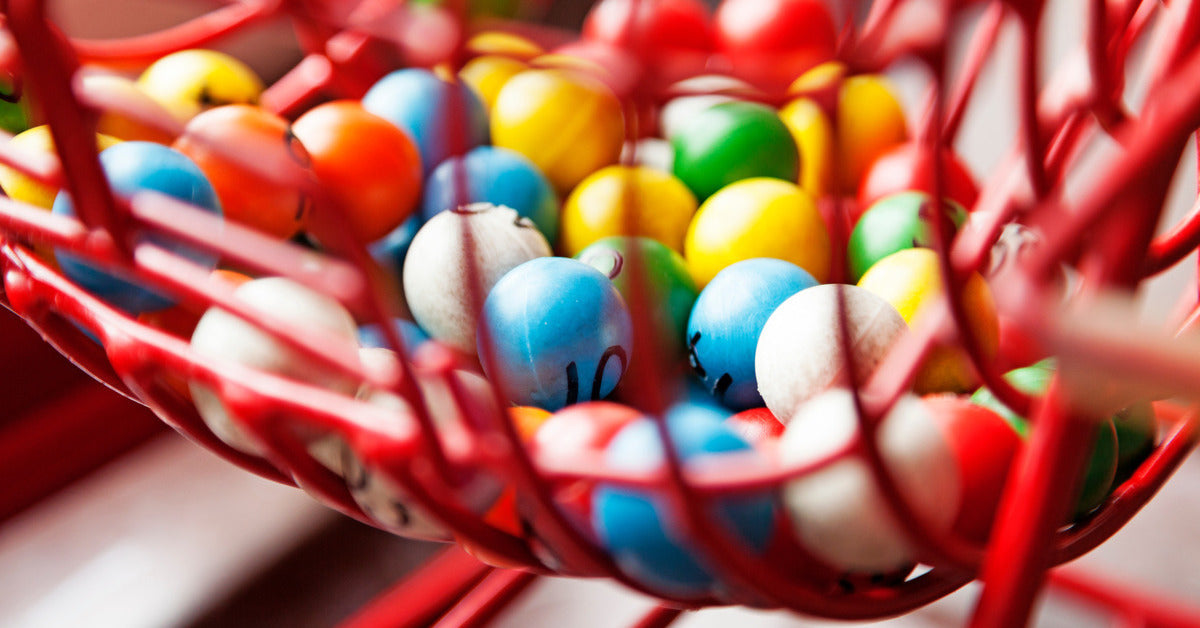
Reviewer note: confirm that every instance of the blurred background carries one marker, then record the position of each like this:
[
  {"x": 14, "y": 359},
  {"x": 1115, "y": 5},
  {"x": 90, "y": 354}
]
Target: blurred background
[{"x": 109, "y": 519}]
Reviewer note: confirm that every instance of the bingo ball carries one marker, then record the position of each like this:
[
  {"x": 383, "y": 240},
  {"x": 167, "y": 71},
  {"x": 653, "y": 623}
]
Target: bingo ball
[
  {"x": 695, "y": 95},
  {"x": 190, "y": 81},
  {"x": 369, "y": 168},
  {"x": 627, "y": 200},
  {"x": 901, "y": 168},
  {"x": 635, "y": 525},
  {"x": 732, "y": 141},
  {"x": 222, "y": 337},
  {"x": 487, "y": 74},
  {"x": 568, "y": 125},
  {"x": 771, "y": 42},
  {"x": 443, "y": 118},
  {"x": 1101, "y": 469},
  {"x": 660, "y": 32},
  {"x": 555, "y": 331},
  {"x": 894, "y": 223},
  {"x": 756, "y": 425},
  {"x": 36, "y": 140},
  {"x": 725, "y": 323},
  {"x": 757, "y": 218},
  {"x": 133, "y": 167},
  {"x": 838, "y": 511},
  {"x": 669, "y": 289},
  {"x": 910, "y": 279},
  {"x": 651, "y": 152},
  {"x": 445, "y": 287},
  {"x": 218, "y": 138},
  {"x": 493, "y": 175},
  {"x": 869, "y": 122},
  {"x": 984, "y": 447},
  {"x": 800, "y": 354},
  {"x": 14, "y": 116},
  {"x": 370, "y": 335}
]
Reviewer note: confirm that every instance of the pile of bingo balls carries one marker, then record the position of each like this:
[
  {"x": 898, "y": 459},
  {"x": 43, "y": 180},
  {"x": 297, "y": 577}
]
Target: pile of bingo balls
[{"x": 567, "y": 261}]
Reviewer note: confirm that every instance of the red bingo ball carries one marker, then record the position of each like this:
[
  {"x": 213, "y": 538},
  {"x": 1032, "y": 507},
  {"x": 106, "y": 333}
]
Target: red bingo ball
[
  {"x": 370, "y": 168},
  {"x": 897, "y": 171},
  {"x": 984, "y": 446},
  {"x": 218, "y": 138},
  {"x": 672, "y": 32},
  {"x": 755, "y": 425},
  {"x": 772, "y": 42}
]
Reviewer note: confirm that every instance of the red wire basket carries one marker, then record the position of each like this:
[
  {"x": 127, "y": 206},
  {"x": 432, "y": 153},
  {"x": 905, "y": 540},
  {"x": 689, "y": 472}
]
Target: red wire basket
[{"x": 1106, "y": 234}]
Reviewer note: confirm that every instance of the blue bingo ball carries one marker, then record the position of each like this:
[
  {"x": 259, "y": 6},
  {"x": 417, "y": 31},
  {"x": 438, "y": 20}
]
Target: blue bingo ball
[
  {"x": 726, "y": 320},
  {"x": 133, "y": 167},
  {"x": 498, "y": 176},
  {"x": 634, "y": 524},
  {"x": 554, "y": 332},
  {"x": 441, "y": 122},
  {"x": 371, "y": 335},
  {"x": 390, "y": 250}
]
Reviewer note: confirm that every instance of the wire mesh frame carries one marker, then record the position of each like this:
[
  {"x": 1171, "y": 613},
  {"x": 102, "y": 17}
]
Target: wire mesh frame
[{"x": 348, "y": 53}]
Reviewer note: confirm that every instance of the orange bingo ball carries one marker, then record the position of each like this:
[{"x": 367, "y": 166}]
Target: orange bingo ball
[
  {"x": 226, "y": 142},
  {"x": 370, "y": 168}
]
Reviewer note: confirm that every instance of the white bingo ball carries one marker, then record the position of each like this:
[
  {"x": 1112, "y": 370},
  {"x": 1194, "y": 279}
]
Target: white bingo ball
[
  {"x": 838, "y": 511},
  {"x": 381, "y": 499},
  {"x": 222, "y": 336},
  {"x": 799, "y": 353},
  {"x": 437, "y": 281}
]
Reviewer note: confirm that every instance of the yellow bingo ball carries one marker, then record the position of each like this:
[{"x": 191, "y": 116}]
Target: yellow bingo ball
[
  {"x": 910, "y": 279},
  {"x": 627, "y": 200},
  {"x": 488, "y": 74},
  {"x": 37, "y": 140},
  {"x": 568, "y": 125},
  {"x": 759, "y": 217},
  {"x": 504, "y": 44},
  {"x": 190, "y": 81},
  {"x": 869, "y": 122}
]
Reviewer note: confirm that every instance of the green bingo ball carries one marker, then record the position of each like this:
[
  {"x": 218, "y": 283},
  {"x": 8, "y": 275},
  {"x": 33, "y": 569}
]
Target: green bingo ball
[
  {"x": 1102, "y": 467},
  {"x": 670, "y": 288},
  {"x": 894, "y": 223},
  {"x": 730, "y": 142}
]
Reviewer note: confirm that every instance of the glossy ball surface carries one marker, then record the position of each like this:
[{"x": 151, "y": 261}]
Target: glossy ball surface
[
  {"x": 799, "y": 354},
  {"x": 370, "y": 169},
  {"x": 669, "y": 289},
  {"x": 224, "y": 338},
  {"x": 771, "y": 42},
  {"x": 984, "y": 446},
  {"x": 901, "y": 169},
  {"x": 911, "y": 280},
  {"x": 630, "y": 201},
  {"x": 665, "y": 34},
  {"x": 190, "y": 81},
  {"x": 696, "y": 94},
  {"x": 437, "y": 269},
  {"x": 497, "y": 176},
  {"x": 568, "y": 125},
  {"x": 757, "y": 218},
  {"x": 732, "y": 141},
  {"x": 725, "y": 323},
  {"x": 838, "y": 511},
  {"x": 554, "y": 331},
  {"x": 894, "y": 223},
  {"x": 635, "y": 526},
  {"x": 133, "y": 167},
  {"x": 443, "y": 118},
  {"x": 487, "y": 75},
  {"x": 216, "y": 139}
]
